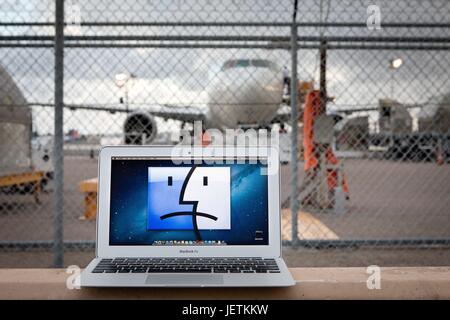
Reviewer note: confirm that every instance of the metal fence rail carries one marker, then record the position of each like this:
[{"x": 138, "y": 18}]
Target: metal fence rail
[{"x": 390, "y": 144}]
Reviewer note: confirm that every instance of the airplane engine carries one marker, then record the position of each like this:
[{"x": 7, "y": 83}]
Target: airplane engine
[{"x": 139, "y": 128}]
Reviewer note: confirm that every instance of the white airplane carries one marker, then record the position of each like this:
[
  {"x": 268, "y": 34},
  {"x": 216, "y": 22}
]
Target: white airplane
[{"x": 245, "y": 92}]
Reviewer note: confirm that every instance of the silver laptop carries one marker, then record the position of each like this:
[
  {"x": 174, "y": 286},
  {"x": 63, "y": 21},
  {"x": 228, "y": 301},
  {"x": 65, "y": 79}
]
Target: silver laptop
[{"x": 188, "y": 217}]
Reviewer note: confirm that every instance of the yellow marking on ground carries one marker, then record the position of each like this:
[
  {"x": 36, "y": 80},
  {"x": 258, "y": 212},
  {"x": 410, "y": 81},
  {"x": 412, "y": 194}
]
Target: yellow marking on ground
[{"x": 309, "y": 227}]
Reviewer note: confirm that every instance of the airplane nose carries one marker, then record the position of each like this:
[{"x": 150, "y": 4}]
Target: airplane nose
[{"x": 247, "y": 96}]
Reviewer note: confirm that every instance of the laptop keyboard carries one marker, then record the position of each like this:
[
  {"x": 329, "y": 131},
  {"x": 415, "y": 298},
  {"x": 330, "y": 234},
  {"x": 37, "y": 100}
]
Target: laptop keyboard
[{"x": 187, "y": 265}]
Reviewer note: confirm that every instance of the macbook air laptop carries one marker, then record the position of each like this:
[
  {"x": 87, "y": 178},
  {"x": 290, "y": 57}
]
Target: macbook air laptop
[{"x": 188, "y": 217}]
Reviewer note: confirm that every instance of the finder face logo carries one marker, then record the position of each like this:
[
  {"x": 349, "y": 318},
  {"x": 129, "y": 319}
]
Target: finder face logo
[{"x": 189, "y": 198}]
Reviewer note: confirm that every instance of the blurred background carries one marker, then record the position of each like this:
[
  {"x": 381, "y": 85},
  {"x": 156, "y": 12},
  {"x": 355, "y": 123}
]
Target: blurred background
[{"x": 359, "y": 94}]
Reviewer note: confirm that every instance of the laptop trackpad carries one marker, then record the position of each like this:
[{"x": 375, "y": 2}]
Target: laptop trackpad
[{"x": 184, "y": 279}]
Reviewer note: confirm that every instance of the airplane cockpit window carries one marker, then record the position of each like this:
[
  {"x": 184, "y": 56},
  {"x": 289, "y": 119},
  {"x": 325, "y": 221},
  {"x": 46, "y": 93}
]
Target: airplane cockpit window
[
  {"x": 259, "y": 63},
  {"x": 243, "y": 63},
  {"x": 235, "y": 64},
  {"x": 229, "y": 64}
]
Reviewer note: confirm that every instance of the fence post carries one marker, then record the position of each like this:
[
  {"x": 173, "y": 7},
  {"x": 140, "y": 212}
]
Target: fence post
[
  {"x": 58, "y": 219},
  {"x": 294, "y": 132},
  {"x": 323, "y": 77}
]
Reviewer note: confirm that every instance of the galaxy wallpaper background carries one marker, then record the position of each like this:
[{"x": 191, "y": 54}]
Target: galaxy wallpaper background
[{"x": 129, "y": 206}]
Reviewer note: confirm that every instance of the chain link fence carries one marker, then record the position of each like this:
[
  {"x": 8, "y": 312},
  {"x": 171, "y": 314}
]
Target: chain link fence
[{"x": 359, "y": 94}]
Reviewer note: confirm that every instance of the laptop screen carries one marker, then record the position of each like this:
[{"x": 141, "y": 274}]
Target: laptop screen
[{"x": 157, "y": 202}]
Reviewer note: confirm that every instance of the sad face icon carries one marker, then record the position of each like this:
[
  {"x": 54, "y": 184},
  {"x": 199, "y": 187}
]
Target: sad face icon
[{"x": 195, "y": 198}]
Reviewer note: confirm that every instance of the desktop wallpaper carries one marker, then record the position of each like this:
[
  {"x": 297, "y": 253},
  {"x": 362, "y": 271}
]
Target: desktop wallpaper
[{"x": 134, "y": 219}]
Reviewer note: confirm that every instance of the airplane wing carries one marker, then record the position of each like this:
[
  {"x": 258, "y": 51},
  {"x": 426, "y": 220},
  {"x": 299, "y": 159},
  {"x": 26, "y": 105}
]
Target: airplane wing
[
  {"x": 348, "y": 111},
  {"x": 166, "y": 111},
  {"x": 284, "y": 113},
  {"x": 353, "y": 110},
  {"x": 181, "y": 113}
]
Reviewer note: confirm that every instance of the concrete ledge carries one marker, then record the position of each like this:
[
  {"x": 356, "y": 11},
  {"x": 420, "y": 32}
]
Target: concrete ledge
[{"x": 312, "y": 283}]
